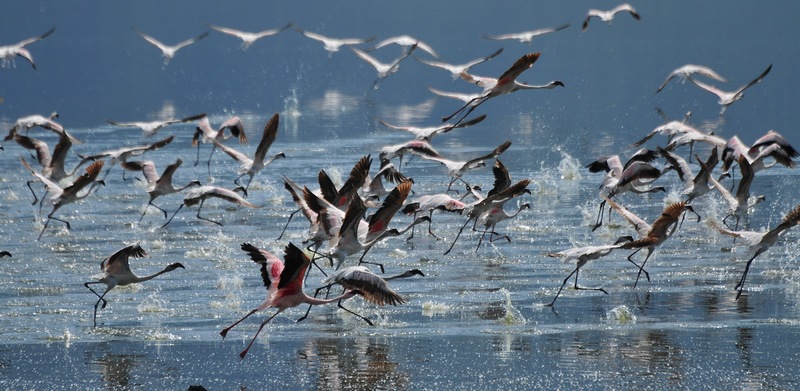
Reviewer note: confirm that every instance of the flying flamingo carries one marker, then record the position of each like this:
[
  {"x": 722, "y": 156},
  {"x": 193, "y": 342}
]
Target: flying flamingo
[
  {"x": 9, "y": 52},
  {"x": 427, "y": 133},
  {"x": 122, "y": 154},
  {"x": 251, "y": 167},
  {"x": 739, "y": 204},
  {"x": 202, "y": 193},
  {"x": 608, "y": 16},
  {"x": 407, "y": 42},
  {"x": 117, "y": 272},
  {"x": 60, "y": 197},
  {"x": 150, "y": 128},
  {"x": 759, "y": 242},
  {"x": 333, "y": 44},
  {"x": 651, "y": 236},
  {"x": 36, "y": 120},
  {"x": 693, "y": 185},
  {"x": 728, "y": 98},
  {"x": 527, "y": 36},
  {"x": 430, "y": 203},
  {"x": 249, "y": 38},
  {"x": 456, "y": 69},
  {"x": 167, "y": 50},
  {"x": 157, "y": 186},
  {"x": 457, "y": 168},
  {"x": 284, "y": 283},
  {"x": 495, "y": 214},
  {"x": 582, "y": 255},
  {"x": 686, "y": 71},
  {"x": 466, "y": 98},
  {"x": 52, "y": 165},
  {"x": 384, "y": 69}
]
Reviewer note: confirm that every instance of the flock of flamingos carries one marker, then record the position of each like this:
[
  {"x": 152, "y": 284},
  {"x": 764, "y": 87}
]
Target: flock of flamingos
[{"x": 338, "y": 226}]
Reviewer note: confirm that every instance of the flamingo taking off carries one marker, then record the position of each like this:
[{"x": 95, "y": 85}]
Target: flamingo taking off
[
  {"x": 200, "y": 194},
  {"x": 9, "y": 52},
  {"x": 428, "y": 132},
  {"x": 169, "y": 51},
  {"x": 249, "y": 38},
  {"x": 608, "y": 16},
  {"x": 52, "y": 165},
  {"x": 759, "y": 242},
  {"x": 117, "y": 272},
  {"x": 32, "y": 121},
  {"x": 284, "y": 283},
  {"x": 456, "y": 69},
  {"x": 456, "y": 169},
  {"x": 407, "y": 43},
  {"x": 251, "y": 167},
  {"x": 158, "y": 186},
  {"x": 150, "y": 128},
  {"x": 205, "y": 133},
  {"x": 60, "y": 197},
  {"x": 122, "y": 154}
]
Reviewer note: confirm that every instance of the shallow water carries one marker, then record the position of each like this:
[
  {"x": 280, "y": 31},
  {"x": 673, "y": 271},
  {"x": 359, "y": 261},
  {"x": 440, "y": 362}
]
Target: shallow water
[{"x": 477, "y": 320}]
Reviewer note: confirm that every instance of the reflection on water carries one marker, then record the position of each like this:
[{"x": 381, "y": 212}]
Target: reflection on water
[{"x": 352, "y": 364}]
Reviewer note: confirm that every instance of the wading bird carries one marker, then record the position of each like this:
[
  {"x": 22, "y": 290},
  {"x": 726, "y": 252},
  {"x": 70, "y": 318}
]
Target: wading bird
[
  {"x": 202, "y": 193},
  {"x": 249, "y": 38},
  {"x": 60, "y": 197},
  {"x": 284, "y": 283},
  {"x": 430, "y": 203},
  {"x": 333, "y": 44},
  {"x": 52, "y": 165},
  {"x": 526, "y": 36},
  {"x": 651, "y": 236},
  {"x": 158, "y": 186},
  {"x": 740, "y": 204},
  {"x": 122, "y": 154},
  {"x": 203, "y": 132},
  {"x": 427, "y": 133},
  {"x": 9, "y": 52},
  {"x": 167, "y": 50},
  {"x": 581, "y": 256},
  {"x": 117, "y": 272},
  {"x": 456, "y": 169},
  {"x": 32, "y": 121},
  {"x": 608, "y": 16},
  {"x": 693, "y": 185},
  {"x": 686, "y": 72},
  {"x": 728, "y": 98},
  {"x": 251, "y": 167},
  {"x": 150, "y": 128},
  {"x": 759, "y": 242}
]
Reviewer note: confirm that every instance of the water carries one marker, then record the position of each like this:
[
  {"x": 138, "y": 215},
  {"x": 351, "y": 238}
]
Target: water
[{"x": 476, "y": 320}]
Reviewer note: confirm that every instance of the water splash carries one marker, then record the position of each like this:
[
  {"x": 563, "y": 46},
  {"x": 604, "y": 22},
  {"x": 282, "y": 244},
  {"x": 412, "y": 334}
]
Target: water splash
[
  {"x": 513, "y": 316},
  {"x": 622, "y": 315},
  {"x": 431, "y": 309}
]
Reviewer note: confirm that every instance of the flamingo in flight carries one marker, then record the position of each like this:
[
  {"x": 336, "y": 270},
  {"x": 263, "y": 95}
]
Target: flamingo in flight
[
  {"x": 456, "y": 169},
  {"x": 200, "y": 194},
  {"x": 608, "y": 16},
  {"x": 117, "y": 272},
  {"x": 384, "y": 69},
  {"x": 9, "y": 52},
  {"x": 727, "y": 98},
  {"x": 52, "y": 165},
  {"x": 686, "y": 71},
  {"x": 457, "y": 69},
  {"x": 122, "y": 154},
  {"x": 527, "y": 36},
  {"x": 408, "y": 43},
  {"x": 205, "y": 133},
  {"x": 36, "y": 120},
  {"x": 151, "y": 128},
  {"x": 284, "y": 283},
  {"x": 332, "y": 45},
  {"x": 169, "y": 51},
  {"x": 427, "y": 133},
  {"x": 249, "y": 38}
]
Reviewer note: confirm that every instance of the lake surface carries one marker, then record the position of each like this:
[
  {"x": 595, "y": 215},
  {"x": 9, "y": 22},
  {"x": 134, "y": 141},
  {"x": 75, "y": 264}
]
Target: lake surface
[{"x": 478, "y": 319}]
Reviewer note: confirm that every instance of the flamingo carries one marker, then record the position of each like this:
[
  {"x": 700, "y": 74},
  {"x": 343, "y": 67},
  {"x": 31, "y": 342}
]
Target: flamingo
[
  {"x": 527, "y": 36},
  {"x": 608, "y": 16},
  {"x": 407, "y": 42},
  {"x": 686, "y": 71},
  {"x": 251, "y": 167},
  {"x": 284, "y": 283},
  {"x": 332, "y": 45},
  {"x": 466, "y": 98},
  {"x": 416, "y": 147},
  {"x": 60, "y": 197},
  {"x": 372, "y": 287},
  {"x": 158, "y": 186},
  {"x": 427, "y": 133},
  {"x": 9, "y": 52},
  {"x": 759, "y": 242},
  {"x": 122, "y": 154},
  {"x": 456, "y": 69},
  {"x": 430, "y": 203},
  {"x": 620, "y": 179},
  {"x": 202, "y": 193},
  {"x": 582, "y": 255},
  {"x": 5, "y": 254},
  {"x": 693, "y": 185},
  {"x": 151, "y": 128},
  {"x": 505, "y": 84},
  {"x": 249, "y": 38},
  {"x": 475, "y": 210},
  {"x": 52, "y": 165},
  {"x": 739, "y": 204},
  {"x": 374, "y": 187},
  {"x": 651, "y": 236},
  {"x": 456, "y": 169},
  {"x": 728, "y": 98},
  {"x": 169, "y": 51},
  {"x": 384, "y": 69},
  {"x": 117, "y": 272},
  {"x": 495, "y": 213},
  {"x": 36, "y": 120},
  {"x": 204, "y": 132}
]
